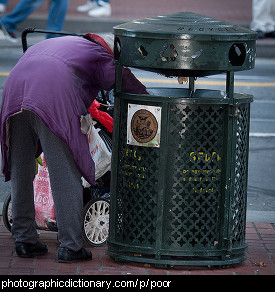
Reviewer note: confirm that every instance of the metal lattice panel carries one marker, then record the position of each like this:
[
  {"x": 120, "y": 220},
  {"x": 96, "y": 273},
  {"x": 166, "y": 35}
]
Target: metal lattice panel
[
  {"x": 183, "y": 202},
  {"x": 240, "y": 191},
  {"x": 196, "y": 149},
  {"x": 136, "y": 192}
]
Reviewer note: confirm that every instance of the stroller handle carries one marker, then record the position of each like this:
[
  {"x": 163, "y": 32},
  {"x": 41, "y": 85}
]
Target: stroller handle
[{"x": 26, "y": 31}]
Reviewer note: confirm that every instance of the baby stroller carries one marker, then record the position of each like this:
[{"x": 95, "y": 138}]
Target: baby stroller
[{"x": 96, "y": 199}]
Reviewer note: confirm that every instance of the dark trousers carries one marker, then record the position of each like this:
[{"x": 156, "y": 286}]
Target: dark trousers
[{"x": 25, "y": 130}]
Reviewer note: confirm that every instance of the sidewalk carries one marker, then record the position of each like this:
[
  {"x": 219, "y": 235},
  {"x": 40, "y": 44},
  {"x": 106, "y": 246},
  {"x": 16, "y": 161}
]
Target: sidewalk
[
  {"x": 260, "y": 238},
  {"x": 235, "y": 11}
]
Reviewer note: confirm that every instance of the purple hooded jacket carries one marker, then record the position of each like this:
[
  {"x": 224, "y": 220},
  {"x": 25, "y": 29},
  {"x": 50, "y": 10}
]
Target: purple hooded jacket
[{"x": 58, "y": 79}]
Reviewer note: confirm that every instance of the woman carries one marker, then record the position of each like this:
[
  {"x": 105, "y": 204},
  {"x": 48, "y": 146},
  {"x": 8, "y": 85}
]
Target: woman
[{"x": 46, "y": 93}]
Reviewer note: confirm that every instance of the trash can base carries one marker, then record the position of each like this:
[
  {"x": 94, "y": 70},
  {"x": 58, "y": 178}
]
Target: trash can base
[{"x": 164, "y": 261}]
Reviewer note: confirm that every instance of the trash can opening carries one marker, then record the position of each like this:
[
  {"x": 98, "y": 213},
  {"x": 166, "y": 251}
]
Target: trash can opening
[
  {"x": 143, "y": 52},
  {"x": 117, "y": 48},
  {"x": 237, "y": 54}
]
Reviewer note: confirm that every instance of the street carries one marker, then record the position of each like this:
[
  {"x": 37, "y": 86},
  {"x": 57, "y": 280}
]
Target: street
[{"x": 259, "y": 82}]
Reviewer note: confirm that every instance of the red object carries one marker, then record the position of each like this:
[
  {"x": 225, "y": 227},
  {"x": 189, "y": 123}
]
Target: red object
[
  {"x": 104, "y": 118},
  {"x": 43, "y": 199},
  {"x": 98, "y": 39}
]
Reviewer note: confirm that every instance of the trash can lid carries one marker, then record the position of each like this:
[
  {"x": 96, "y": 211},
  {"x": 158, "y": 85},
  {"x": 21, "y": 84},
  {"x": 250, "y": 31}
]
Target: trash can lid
[
  {"x": 185, "y": 25},
  {"x": 185, "y": 41}
]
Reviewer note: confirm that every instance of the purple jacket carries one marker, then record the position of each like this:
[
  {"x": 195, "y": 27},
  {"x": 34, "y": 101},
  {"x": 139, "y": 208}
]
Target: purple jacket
[{"x": 58, "y": 79}]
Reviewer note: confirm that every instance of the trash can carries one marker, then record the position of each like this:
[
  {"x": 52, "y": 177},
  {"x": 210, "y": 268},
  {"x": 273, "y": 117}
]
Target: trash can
[{"x": 180, "y": 155}]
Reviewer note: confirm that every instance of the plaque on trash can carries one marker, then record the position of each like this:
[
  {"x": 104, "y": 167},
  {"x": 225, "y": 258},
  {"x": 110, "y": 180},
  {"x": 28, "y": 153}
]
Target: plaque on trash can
[{"x": 143, "y": 125}]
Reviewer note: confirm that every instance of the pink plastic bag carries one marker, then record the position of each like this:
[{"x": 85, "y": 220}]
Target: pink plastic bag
[{"x": 43, "y": 200}]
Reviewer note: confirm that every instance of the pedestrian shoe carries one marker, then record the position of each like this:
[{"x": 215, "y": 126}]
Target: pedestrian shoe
[
  {"x": 27, "y": 250},
  {"x": 2, "y": 8},
  {"x": 4, "y": 34},
  {"x": 66, "y": 255},
  {"x": 86, "y": 7},
  {"x": 103, "y": 9}
]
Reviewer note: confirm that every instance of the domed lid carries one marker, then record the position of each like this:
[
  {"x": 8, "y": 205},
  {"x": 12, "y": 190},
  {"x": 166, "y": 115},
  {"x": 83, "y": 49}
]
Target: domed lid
[
  {"x": 185, "y": 25},
  {"x": 185, "y": 44}
]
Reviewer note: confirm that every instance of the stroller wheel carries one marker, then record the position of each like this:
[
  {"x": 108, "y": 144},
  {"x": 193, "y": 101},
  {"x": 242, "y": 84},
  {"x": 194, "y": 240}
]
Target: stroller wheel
[
  {"x": 96, "y": 221},
  {"x": 7, "y": 214}
]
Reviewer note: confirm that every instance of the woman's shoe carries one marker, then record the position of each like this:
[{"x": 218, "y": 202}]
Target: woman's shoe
[
  {"x": 66, "y": 255},
  {"x": 26, "y": 250}
]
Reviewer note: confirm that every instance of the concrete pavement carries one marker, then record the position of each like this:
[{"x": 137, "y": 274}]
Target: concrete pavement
[{"x": 260, "y": 260}]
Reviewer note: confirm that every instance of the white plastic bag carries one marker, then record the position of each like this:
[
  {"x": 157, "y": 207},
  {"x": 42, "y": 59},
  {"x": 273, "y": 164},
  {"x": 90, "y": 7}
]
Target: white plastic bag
[{"x": 99, "y": 151}]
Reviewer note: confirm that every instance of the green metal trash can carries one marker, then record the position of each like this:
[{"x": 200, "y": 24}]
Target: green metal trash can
[{"x": 180, "y": 155}]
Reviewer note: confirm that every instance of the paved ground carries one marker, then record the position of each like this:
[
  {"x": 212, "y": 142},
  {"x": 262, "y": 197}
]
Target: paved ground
[{"x": 260, "y": 238}]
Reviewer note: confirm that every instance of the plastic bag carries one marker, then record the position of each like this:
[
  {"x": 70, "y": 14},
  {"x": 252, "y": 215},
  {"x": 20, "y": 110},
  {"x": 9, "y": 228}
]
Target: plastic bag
[
  {"x": 43, "y": 200},
  {"x": 100, "y": 153},
  {"x": 104, "y": 118}
]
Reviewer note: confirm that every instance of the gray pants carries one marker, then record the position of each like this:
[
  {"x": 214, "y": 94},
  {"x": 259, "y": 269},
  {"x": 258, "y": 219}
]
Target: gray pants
[{"x": 25, "y": 130}]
